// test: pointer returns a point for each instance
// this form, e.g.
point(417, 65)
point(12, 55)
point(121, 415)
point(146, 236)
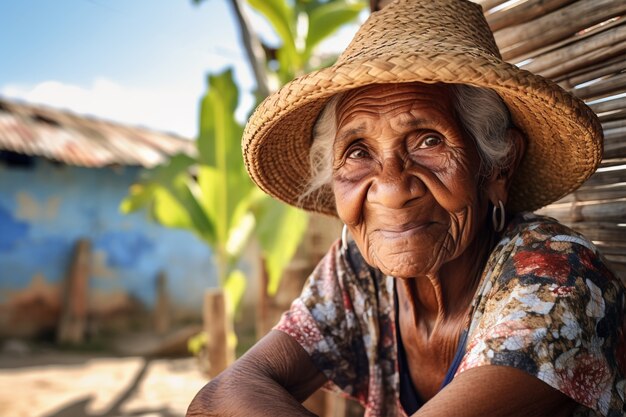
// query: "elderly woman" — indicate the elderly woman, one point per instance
point(449, 298)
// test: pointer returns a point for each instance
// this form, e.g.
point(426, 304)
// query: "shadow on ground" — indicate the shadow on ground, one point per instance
point(80, 407)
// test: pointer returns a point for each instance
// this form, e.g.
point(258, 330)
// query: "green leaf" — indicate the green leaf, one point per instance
point(219, 149)
point(139, 197)
point(289, 64)
point(169, 212)
point(280, 16)
point(211, 192)
point(239, 235)
point(234, 288)
point(280, 230)
point(327, 18)
point(184, 190)
point(177, 164)
point(169, 193)
point(220, 134)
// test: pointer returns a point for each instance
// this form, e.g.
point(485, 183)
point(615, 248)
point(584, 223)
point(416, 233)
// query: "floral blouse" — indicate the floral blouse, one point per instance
point(547, 304)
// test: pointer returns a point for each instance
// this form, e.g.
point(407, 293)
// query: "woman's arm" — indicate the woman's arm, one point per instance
point(497, 391)
point(271, 379)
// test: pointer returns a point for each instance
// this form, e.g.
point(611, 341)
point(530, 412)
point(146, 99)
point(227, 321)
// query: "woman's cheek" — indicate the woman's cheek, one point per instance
point(456, 186)
point(350, 193)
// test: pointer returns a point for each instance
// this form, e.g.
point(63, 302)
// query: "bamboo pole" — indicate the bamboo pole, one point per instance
point(523, 12)
point(614, 249)
point(616, 162)
point(577, 37)
point(555, 26)
point(615, 134)
point(586, 212)
point(614, 258)
point(609, 105)
point(489, 4)
point(599, 55)
point(602, 231)
point(607, 177)
point(601, 192)
point(580, 54)
point(607, 86)
point(614, 148)
point(601, 69)
point(614, 124)
point(615, 115)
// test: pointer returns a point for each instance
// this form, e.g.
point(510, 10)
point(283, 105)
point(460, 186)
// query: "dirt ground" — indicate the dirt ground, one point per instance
point(62, 384)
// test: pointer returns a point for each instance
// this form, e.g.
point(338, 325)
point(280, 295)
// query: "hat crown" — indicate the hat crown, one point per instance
point(408, 27)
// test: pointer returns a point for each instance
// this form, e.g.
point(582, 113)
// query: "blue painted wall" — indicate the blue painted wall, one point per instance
point(46, 208)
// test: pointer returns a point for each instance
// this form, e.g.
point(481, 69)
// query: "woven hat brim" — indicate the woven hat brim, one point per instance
point(564, 137)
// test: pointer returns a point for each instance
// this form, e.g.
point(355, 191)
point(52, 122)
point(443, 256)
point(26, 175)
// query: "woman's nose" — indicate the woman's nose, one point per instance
point(395, 185)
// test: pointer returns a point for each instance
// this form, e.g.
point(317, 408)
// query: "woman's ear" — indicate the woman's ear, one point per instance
point(499, 181)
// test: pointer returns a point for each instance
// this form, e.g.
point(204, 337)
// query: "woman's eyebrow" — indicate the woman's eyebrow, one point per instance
point(411, 123)
point(350, 133)
point(414, 122)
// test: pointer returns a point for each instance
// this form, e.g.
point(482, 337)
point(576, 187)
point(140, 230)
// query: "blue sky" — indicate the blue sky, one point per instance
point(135, 61)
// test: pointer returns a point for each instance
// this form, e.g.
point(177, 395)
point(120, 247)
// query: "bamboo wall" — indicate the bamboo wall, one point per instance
point(582, 46)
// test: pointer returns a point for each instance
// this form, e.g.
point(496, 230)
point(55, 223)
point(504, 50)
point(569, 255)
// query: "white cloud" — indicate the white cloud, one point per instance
point(165, 110)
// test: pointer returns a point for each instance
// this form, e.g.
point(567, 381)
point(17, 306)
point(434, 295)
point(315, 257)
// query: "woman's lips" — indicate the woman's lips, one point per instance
point(406, 230)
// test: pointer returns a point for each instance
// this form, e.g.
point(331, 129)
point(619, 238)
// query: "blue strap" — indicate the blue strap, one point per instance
point(458, 357)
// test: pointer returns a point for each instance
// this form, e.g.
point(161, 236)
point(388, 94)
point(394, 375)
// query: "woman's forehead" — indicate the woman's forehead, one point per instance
point(389, 99)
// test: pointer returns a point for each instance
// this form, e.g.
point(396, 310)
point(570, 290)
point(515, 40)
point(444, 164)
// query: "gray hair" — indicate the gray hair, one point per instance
point(481, 113)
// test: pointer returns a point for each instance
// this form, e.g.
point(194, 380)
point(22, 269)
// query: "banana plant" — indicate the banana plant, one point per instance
point(212, 196)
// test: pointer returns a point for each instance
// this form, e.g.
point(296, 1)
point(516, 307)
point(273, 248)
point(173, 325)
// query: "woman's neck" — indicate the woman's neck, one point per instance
point(435, 299)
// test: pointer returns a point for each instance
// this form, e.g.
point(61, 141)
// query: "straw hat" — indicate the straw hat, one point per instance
point(427, 41)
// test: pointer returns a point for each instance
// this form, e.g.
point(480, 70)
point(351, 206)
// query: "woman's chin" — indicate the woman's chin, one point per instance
point(406, 266)
point(408, 259)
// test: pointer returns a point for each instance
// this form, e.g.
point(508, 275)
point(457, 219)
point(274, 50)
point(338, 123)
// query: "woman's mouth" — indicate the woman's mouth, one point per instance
point(406, 230)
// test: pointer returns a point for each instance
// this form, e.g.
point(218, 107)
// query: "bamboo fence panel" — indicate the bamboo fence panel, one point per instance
point(582, 46)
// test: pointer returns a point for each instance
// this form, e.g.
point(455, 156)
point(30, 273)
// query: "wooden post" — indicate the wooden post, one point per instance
point(73, 321)
point(218, 327)
point(262, 324)
point(162, 305)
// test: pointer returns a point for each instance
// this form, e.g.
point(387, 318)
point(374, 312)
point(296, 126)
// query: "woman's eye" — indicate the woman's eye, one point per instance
point(431, 141)
point(358, 154)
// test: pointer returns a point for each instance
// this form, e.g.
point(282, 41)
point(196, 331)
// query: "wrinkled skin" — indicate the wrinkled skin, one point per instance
point(407, 183)
point(406, 178)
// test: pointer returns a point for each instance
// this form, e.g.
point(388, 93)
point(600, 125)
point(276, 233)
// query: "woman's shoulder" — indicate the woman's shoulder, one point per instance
point(531, 229)
point(550, 305)
point(540, 248)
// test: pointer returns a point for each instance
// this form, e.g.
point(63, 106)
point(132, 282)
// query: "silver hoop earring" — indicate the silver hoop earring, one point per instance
point(344, 238)
point(498, 224)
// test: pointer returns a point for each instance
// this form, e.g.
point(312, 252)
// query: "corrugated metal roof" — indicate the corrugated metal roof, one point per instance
point(82, 140)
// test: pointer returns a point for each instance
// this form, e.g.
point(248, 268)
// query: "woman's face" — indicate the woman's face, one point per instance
point(406, 178)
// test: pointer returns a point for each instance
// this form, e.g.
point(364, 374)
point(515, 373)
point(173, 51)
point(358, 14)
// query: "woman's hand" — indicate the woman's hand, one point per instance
point(271, 379)
point(497, 391)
